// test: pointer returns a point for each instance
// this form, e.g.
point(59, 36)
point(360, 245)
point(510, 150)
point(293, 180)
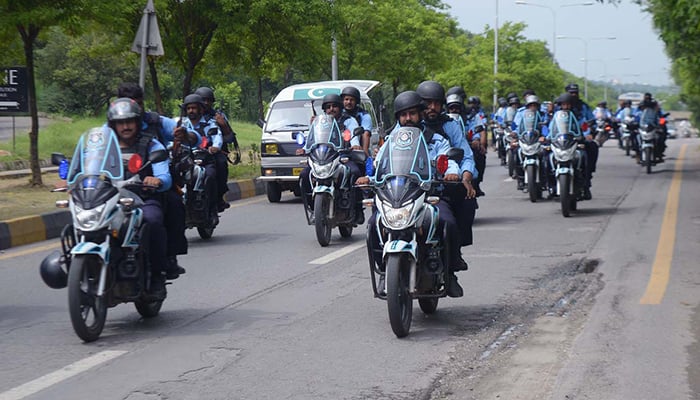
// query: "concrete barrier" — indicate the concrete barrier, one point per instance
point(26, 230)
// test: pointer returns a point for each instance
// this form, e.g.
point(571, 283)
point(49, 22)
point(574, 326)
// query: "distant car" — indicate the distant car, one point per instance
point(671, 129)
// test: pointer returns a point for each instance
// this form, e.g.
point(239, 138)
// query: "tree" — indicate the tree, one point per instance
point(30, 18)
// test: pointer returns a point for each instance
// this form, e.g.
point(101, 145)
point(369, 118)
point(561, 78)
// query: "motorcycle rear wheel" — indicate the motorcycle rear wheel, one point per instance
point(565, 194)
point(532, 187)
point(627, 147)
point(87, 311)
point(398, 299)
point(511, 163)
point(322, 203)
point(648, 158)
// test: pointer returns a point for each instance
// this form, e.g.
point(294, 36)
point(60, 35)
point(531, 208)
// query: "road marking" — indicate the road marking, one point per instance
point(337, 254)
point(62, 374)
point(241, 203)
point(32, 250)
point(661, 270)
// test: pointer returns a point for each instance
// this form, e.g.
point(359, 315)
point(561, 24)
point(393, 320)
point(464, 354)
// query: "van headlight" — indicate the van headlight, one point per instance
point(88, 219)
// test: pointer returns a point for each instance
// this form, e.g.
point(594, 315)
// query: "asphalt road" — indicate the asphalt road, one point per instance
point(601, 305)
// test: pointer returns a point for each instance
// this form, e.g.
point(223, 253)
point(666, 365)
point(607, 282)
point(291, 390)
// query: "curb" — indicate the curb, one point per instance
point(37, 228)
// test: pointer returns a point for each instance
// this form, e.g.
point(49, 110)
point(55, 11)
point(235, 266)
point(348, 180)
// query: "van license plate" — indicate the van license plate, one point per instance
point(296, 171)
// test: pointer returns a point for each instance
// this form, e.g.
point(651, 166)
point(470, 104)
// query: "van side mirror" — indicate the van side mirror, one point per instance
point(260, 122)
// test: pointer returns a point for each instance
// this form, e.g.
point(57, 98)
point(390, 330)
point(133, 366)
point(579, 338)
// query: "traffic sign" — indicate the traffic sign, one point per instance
point(14, 92)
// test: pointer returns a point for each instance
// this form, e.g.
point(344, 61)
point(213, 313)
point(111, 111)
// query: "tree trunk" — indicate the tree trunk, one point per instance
point(260, 99)
point(29, 35)
point(156, 87)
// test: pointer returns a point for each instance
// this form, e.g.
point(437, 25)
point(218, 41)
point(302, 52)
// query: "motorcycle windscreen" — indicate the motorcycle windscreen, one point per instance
point(562, 123)
point(530, 120)
point(648, 117)
point(96, 155)
point(324, 130)
point(510, 114)
point(405, 154)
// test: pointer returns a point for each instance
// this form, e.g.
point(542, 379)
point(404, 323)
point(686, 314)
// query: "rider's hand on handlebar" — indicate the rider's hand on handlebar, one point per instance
point(214, 150)
point(151, 182)
point(299, 152)
point(363, 180)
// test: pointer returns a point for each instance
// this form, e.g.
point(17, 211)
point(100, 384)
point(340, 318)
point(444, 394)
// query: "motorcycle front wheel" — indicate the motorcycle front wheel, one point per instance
point(532, 187)
point(511, 164)
point(565, 194)
point(87, 311)
point(627, 147)
point(648, 158)
point(398, 299)
point(322, 203)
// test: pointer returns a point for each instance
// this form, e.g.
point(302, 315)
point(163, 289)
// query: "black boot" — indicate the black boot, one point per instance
point(173, 270)
point(453, 287)
point(158, 287)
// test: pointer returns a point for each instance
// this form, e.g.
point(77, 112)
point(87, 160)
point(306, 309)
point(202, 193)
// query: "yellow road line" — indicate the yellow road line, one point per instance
point(661, 270)
point(20, 253)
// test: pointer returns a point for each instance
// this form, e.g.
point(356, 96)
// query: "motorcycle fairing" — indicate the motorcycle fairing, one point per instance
point(97, 154)
point(401, 246)
point(405, 154)
point(530, 120)
point(99, 249)
point(324, 130)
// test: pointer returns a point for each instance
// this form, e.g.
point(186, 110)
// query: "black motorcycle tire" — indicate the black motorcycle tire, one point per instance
point(322, 203)
point(206, 230)
point(649, 157)
point(565, 194)
point(532, 187)
point(84, 304)
point(398, 300)
point(627, 147)
point(145, 307)
point(428, 305)
point(511, 164)
point(345, 231)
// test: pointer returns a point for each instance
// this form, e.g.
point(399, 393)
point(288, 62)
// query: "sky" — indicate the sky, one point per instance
point(635, 55)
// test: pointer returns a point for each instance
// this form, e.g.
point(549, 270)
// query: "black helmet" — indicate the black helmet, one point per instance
point(528, 92)
point(52, 272)
point(206, 93)
point(513, 100)
point(407, 100)
point(458, 90)
point(351, 91)
point(474, 100)
point(431, 90)
point(332, 98)
point(603, 104)
point(571, 87)
point(511, 94)
point(565, 98)
point(122, 109)
point(502, 101)
point(193, 98)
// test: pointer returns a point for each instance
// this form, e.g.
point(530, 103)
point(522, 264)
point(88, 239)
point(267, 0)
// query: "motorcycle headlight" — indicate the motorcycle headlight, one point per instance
point(566, 154)
point(322, 171)
point(398, 218)
point(530, 149)
point(88, 219)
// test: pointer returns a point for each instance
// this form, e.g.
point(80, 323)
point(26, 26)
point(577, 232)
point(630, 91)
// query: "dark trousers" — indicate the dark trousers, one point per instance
point(153, 215)
point(210, 186)
point(480, 162)
point(221, 165)
point(175, 223)
point(591, 159)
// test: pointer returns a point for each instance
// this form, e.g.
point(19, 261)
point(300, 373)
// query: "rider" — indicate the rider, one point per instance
point(473, 126)
point(532, 103)
point(624, 110)
point(565, 102)
point(193, 105)
point(332, 105)
point(124, 117)
point(166, 131)
point(649, 101)
point(435, 119)
point(407, 111)
point(352, 109)
point(585, 116)
point(221, 159)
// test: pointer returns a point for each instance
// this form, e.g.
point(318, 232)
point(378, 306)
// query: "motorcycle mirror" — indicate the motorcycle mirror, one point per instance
point(205, 141)
point(135, 163)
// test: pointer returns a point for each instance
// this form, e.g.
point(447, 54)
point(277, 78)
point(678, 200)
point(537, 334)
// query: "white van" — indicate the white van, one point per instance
point(289, 114)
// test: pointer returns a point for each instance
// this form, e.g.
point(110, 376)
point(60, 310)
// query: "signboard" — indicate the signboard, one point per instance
point(14, 92)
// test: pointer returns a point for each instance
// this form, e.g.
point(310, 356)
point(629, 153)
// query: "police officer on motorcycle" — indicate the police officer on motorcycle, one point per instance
point(408, 107)
point(583, 114)
point(352, 109)
point(124, 117)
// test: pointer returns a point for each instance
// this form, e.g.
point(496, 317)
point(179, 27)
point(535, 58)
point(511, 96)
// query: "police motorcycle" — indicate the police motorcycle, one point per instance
point(603, 130)
point(105, 256)
point(414, 249)
point(647, 137)
point(188, 169)
point(333, 193)
point(627, 126)
point(567, 160)
point(511, 143)
point(498, 132)
point(530, 155)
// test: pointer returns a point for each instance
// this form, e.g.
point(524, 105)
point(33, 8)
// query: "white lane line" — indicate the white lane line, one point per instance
point(335, 255)
point(62, 374)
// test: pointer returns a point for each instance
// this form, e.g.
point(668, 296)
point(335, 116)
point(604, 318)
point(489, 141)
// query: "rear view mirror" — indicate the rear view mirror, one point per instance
point(56, 158)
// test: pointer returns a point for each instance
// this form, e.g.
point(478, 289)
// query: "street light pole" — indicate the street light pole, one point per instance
point(605, 72)
point(495, 61)
point(554, 20)
point(585, 55)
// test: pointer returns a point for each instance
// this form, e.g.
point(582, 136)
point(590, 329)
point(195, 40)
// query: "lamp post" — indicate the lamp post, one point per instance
point(585, 56)
point(605, 71)
point(554, 20)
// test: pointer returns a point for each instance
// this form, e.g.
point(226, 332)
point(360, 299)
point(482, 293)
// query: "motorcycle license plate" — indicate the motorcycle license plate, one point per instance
point(296, 171)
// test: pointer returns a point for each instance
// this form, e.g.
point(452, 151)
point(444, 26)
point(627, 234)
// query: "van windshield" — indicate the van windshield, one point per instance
point(291, 115)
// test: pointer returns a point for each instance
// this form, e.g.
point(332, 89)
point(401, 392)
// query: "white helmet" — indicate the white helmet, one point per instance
point(530, 99)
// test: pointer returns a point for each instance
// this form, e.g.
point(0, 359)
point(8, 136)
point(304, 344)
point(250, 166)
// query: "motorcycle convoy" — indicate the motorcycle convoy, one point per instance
point(104, 256)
